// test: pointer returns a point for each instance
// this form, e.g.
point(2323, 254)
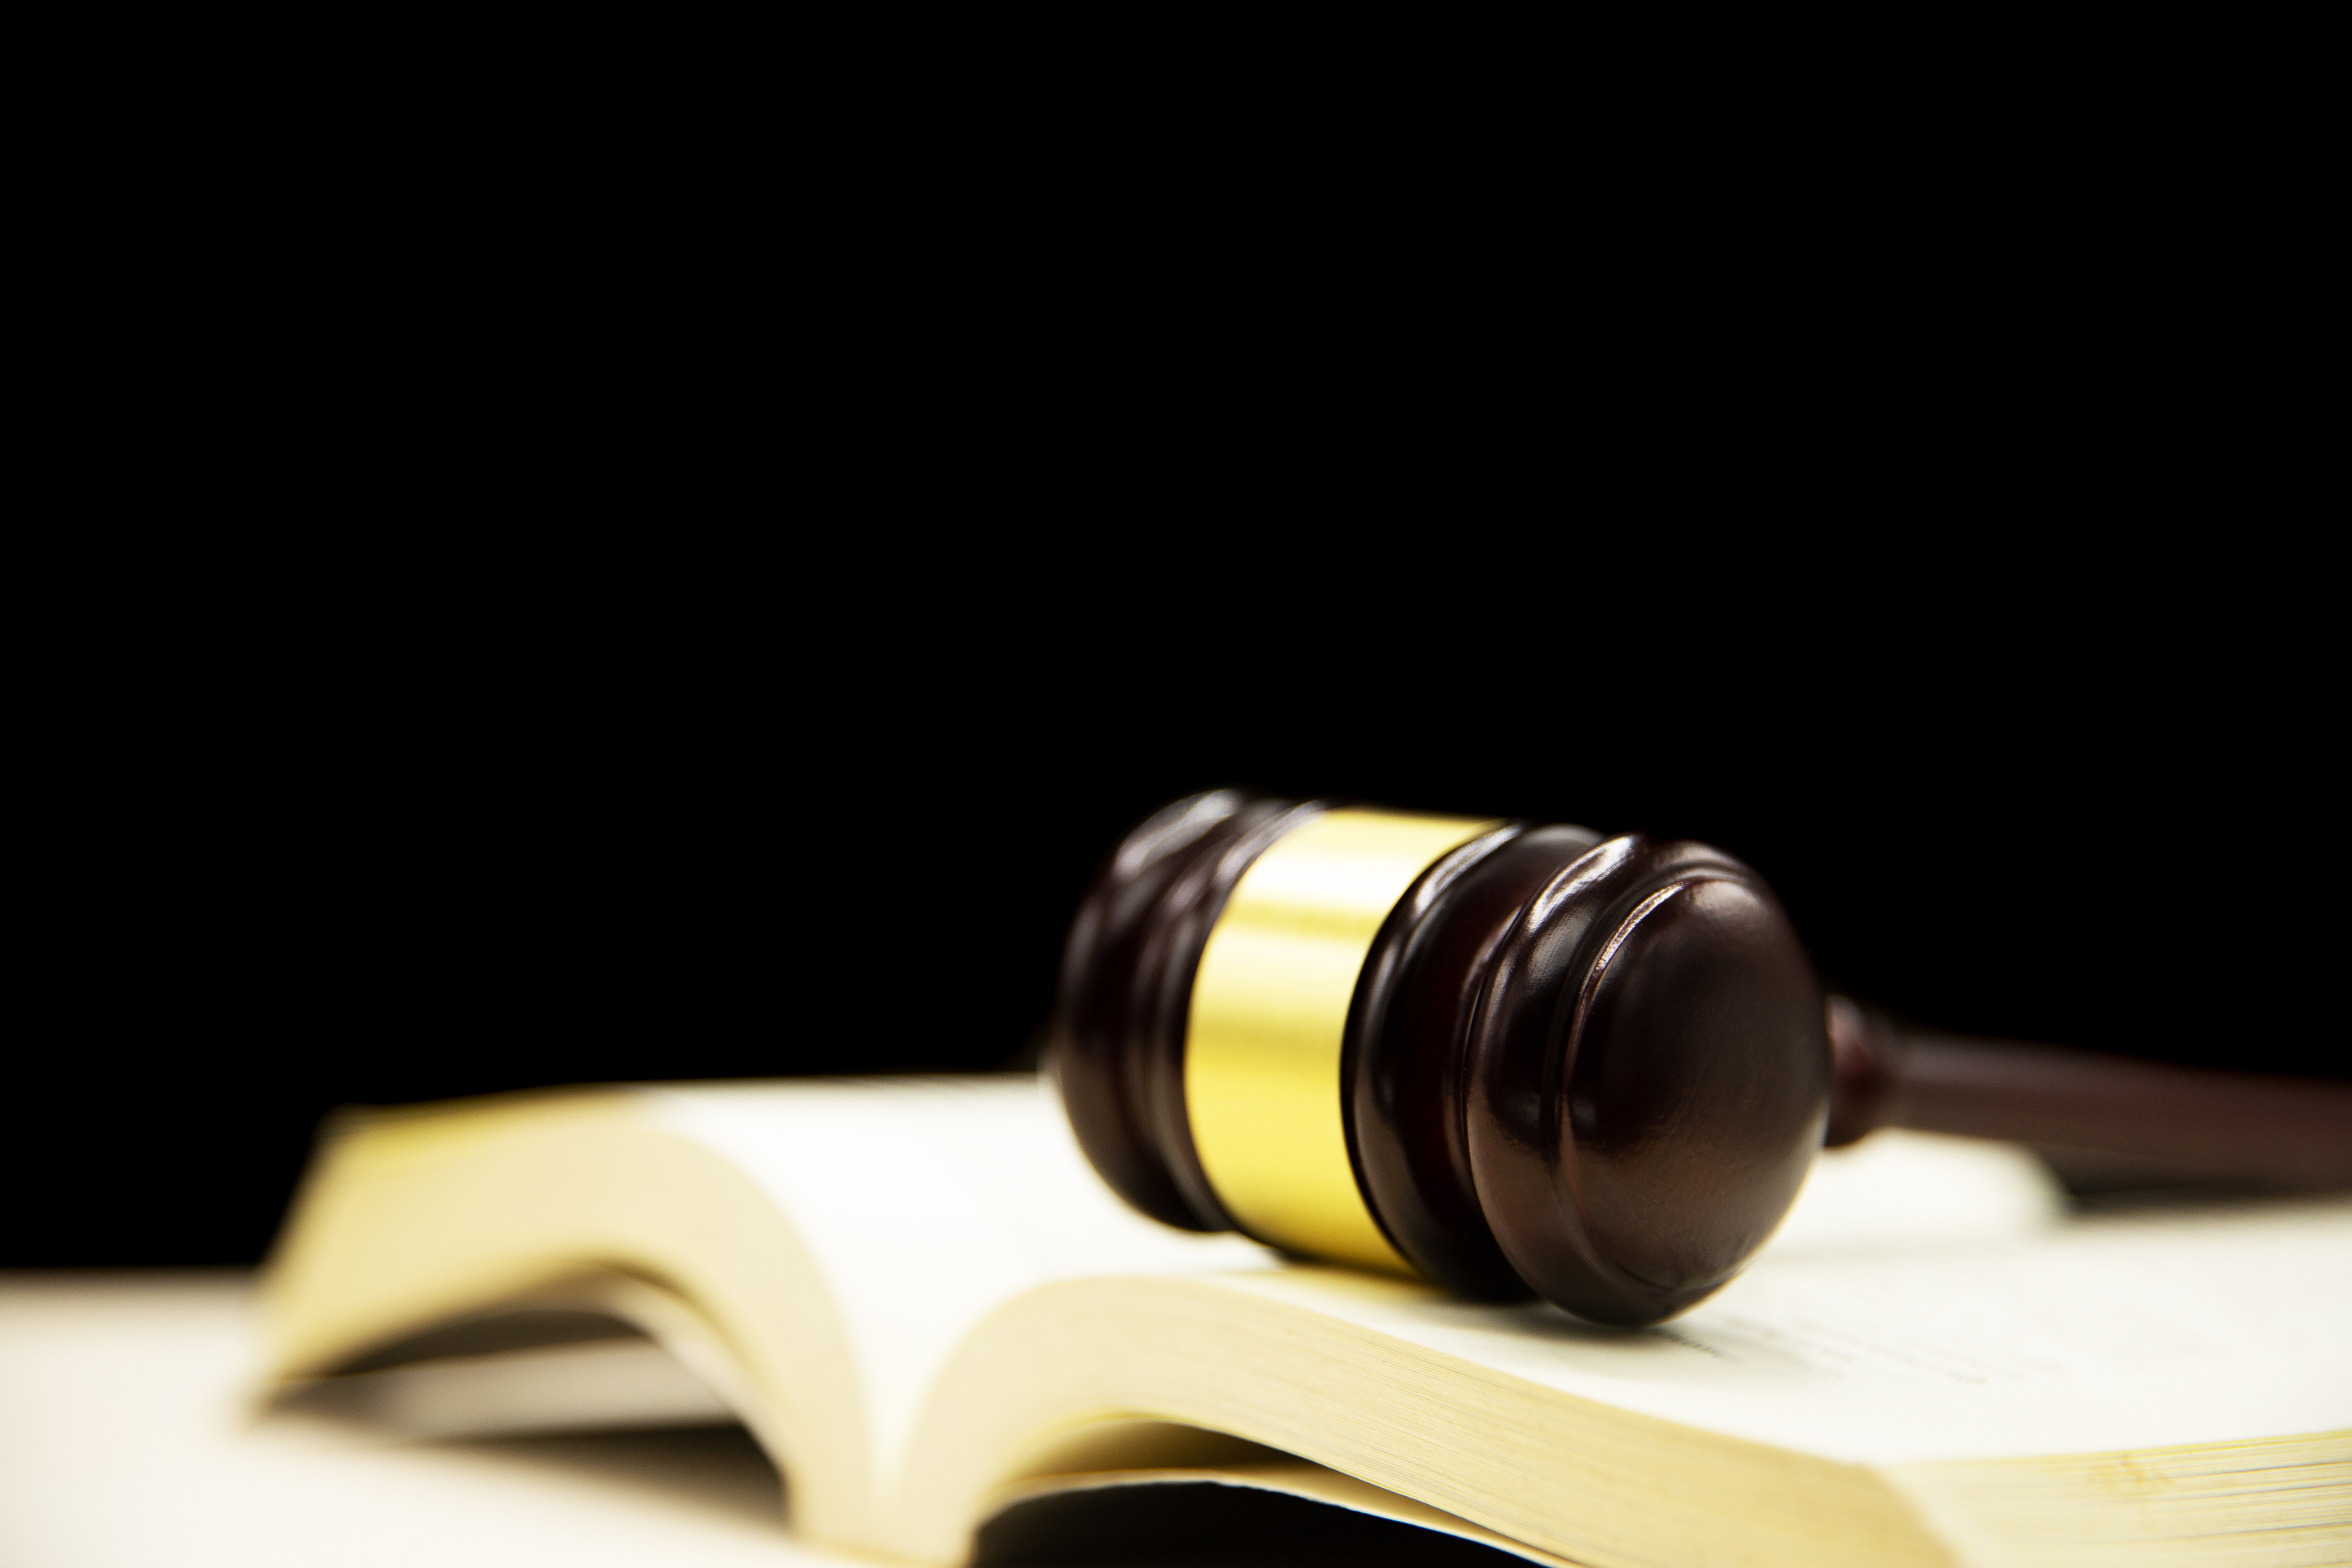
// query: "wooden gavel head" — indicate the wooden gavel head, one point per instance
point(1507, 1058)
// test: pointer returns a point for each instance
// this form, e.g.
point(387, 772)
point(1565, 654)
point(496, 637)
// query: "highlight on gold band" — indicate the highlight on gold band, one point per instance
point(1269, 1008)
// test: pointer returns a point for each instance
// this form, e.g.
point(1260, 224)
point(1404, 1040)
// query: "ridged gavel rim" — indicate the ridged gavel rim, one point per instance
point(1124, 1054)
point(1524, 1043)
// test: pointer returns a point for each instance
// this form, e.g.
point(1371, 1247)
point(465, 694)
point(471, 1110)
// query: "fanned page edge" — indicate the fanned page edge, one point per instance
point(393, 1234)
point(1566, 1476)
point(1285, 1475)
point(2256, 1503)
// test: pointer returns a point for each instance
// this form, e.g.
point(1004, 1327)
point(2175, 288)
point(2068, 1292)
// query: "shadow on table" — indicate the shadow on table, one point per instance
point(720, 1469)
point(713, 1469)
point(1180, 1523)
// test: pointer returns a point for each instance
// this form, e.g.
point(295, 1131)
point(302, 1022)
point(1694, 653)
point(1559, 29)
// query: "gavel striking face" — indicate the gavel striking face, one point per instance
point(1517, 1059)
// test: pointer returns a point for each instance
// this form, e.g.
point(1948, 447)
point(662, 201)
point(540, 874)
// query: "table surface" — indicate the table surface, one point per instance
point(127, 1437)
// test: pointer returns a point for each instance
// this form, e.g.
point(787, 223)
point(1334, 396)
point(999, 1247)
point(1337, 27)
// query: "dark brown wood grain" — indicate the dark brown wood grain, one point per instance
point(1406, 1061)
point(2187, 1123)
point(1649, 1074)
point(1593, 1068)
point(1116, 1044)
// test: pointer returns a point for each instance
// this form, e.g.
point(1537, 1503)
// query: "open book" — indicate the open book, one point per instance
point(926, 1309)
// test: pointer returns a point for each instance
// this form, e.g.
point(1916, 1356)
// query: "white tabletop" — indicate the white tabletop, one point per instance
point(127, 1437)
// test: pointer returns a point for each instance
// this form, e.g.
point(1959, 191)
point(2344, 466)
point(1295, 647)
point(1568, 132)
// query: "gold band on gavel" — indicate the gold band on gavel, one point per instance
point(1269, 1008)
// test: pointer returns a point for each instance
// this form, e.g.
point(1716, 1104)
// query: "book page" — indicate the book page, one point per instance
point(1911, 1263)
point(927, 1203)
point(2094, 1334)
point(946, 1292)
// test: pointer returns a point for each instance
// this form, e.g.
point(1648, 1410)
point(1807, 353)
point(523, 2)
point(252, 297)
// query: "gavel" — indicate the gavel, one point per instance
point(1517, 1059)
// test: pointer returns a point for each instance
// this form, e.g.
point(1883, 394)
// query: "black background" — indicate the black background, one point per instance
point(622, 594)
point(364, 833)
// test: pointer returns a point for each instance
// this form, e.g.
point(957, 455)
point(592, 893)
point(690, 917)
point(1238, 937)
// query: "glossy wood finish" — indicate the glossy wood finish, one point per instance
point(1649, 1076)
point(1406, 1056)
point(1116, 1044)
point(2186, 1123)
point(1594, 1069)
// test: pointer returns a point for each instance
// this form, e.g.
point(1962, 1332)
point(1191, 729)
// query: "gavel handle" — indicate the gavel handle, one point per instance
point(2264, 1127)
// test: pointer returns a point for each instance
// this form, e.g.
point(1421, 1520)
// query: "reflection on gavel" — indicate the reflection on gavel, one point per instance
point(1512, 1057)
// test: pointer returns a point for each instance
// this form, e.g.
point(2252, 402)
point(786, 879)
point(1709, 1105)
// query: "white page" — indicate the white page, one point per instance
point(2095, 1335)
point(928, 1203)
